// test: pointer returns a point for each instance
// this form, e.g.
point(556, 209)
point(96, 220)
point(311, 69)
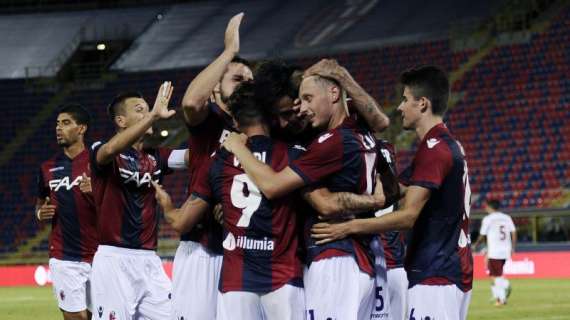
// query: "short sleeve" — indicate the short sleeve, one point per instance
point(323, 157)
point(164, 154)
point(96, 168)
point(484, 227)
point(203, 186)
point(511, 226)
point(431, 166)
point(42, 188)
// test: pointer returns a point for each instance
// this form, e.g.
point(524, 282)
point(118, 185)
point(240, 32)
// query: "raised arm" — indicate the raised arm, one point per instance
point(416, 198)
point(271, 183)
point(126, 138)
point(330, 204)
point(366, 106)
point(200, 89)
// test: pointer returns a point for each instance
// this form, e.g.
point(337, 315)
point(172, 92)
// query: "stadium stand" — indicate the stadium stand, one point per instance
point(510, 112)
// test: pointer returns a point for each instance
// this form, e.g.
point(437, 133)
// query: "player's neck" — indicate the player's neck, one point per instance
point(222, 105)
point(73, 150)
point(337, 118)
point(426, 125)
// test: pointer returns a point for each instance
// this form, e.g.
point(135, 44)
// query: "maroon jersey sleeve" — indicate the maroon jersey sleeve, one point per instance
point(164, 154)
point(431, 166)
point(43, 190)
point(323, 157)
point(96, 168)
point(202, 188)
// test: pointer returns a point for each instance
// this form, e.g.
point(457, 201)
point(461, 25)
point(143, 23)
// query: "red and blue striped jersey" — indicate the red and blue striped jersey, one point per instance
point(393, 241)
point(125, 198)
point(439, 250)
point(204, 140)
point(74, 226)
point(343, 160)
point(260, 236)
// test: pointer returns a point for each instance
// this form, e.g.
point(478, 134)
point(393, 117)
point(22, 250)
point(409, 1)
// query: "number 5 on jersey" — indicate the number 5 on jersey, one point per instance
point(246, 196)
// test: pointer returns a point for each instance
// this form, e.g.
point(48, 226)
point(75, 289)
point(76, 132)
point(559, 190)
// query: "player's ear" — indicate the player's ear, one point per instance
point(82, 129)
point(334, 93)
point(120, 121)
point(424, 104)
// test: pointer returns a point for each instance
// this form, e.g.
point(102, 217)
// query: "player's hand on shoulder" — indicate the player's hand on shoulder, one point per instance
point(231, 39)
point(85, 184)
point(46, 210)
point(234, 141)
point(160, 109)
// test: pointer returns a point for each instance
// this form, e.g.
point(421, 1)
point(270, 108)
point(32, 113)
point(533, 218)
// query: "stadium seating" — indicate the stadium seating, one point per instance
point(511, 118)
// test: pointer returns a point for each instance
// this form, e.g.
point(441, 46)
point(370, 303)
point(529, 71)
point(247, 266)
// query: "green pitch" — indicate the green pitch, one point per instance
point(530, 299)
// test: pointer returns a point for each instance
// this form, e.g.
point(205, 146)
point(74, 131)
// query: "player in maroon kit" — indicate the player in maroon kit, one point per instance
point(198, 258)
point(128, 279)
point(64, 196)
point(261, 276)
point(342, 158)
point(436, 206)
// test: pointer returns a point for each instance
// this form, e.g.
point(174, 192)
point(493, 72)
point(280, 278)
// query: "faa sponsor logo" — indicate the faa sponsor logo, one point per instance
point(244, 242)
point(65, 182)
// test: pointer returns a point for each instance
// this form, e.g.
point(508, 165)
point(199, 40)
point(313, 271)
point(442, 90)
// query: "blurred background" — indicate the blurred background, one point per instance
point(508, 62)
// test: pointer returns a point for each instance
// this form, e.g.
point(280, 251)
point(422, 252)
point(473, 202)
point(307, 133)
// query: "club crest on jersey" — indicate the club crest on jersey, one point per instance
point(136, 177)
point(56, 184)
point(225, 134)
point(244, 242)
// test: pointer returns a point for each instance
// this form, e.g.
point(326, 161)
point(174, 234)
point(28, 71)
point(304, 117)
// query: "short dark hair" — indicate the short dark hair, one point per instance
point(117, 103)
point(430, 82)
point(494, 204)
point(238, 59)
point(77, 112)
point(245, 107)
point(275, 79)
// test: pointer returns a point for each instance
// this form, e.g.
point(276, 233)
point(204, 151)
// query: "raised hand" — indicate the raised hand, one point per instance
point(231, 39)
point(46, 211)
point(85, 184)
point(160, 108)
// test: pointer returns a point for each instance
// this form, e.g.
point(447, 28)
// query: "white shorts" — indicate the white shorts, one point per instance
point(381, 308)
point(71, 285)
point(438, 302)
point(336, 288)
point(129, 283)
point(398, 291)
point(285, 303)
point(195, 278)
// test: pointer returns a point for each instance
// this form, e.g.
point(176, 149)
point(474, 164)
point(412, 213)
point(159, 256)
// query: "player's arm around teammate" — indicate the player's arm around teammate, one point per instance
point(403, 219)
point(194, 102)
point(132, 134)
point(331, 204)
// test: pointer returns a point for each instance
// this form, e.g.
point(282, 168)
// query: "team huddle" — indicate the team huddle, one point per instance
point(294, 209)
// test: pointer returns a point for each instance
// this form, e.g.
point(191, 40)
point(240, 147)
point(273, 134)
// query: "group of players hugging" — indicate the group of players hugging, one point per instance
point(294, 209)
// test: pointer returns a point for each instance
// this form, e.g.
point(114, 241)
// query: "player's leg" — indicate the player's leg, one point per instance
point(239, 305)
point(465, 299)
point(336, 288)
point(113, 291)
point(155, 303)
point(398, 291)
point(436, 302)
point(285, 303)
point(196, 274)
point(70, 280)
